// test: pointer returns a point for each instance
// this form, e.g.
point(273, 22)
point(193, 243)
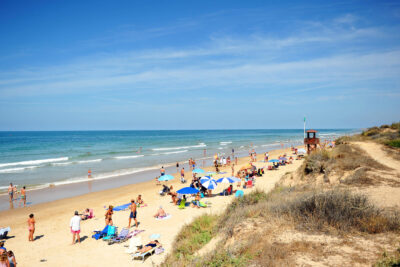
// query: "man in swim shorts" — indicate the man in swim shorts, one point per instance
point(133, 213)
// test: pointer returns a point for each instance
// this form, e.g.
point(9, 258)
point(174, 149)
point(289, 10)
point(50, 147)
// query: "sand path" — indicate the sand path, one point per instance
point(376, 152)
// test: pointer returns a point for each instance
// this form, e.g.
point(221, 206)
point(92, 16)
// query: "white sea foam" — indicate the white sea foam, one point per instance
point(174, 152)
point(179, 147)
point(105, 175)
point(62, 163)
point(33, 162)
point(128, 157)
point(89, 161)
point(21, 169)
point(225, 143)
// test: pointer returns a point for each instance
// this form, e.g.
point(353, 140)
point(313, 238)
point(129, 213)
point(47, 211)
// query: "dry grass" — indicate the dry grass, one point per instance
point(342, 158)
point(360, 177)
point(341, 210)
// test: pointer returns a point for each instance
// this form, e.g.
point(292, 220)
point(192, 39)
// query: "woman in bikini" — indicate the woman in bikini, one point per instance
point(149, 246)
point(31, 226)
point(108, 215)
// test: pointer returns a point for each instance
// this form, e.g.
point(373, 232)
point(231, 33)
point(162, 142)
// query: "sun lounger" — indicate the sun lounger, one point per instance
point(122, 237)
point(111, 233)
point(143, 255)
point(182, 204)
point(100, 234)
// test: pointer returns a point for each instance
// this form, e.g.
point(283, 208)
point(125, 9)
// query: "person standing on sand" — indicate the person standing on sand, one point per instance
point(133, 213)
point(31, 226)
point(233, 169)
point(11, 192)
point(162, 171)
point(75, 225)
point(108, 215)
point(23, 196)
point(182, 175)
point(177, 167)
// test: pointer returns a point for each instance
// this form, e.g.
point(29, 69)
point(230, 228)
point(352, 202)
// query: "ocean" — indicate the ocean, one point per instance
point(39, 159)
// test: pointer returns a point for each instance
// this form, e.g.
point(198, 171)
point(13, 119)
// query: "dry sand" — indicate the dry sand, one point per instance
point(52, 247)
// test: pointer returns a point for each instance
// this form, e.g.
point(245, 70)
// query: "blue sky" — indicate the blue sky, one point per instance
point(85, 65)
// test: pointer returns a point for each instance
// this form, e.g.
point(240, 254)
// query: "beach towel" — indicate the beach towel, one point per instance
point(164, 218)
point(154, 236)
point(121, 207)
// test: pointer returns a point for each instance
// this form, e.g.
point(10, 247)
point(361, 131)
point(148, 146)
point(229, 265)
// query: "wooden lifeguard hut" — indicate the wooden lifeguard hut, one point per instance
point(311, 141)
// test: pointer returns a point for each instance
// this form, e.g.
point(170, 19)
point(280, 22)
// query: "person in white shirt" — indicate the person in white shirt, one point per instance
point(75, 225)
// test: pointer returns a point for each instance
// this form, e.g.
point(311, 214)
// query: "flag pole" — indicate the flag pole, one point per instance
point(304, 126)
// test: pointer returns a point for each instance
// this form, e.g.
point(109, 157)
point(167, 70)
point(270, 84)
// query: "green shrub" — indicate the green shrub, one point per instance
point(393, 143)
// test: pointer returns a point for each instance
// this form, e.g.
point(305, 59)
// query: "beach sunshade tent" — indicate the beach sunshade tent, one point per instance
point(301, 151)
point(210, 184)
point(166, 178)
point(284, 159)
point(273, 160)
point(227, 180)
point(198, 171)
point(187, 190)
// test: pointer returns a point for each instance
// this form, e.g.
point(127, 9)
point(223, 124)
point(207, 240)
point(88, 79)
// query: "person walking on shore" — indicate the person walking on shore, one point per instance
point(177, 167)
point(23, 196)
point(31, 226)
point(11, 192)
point(75, 225)
point(133, 213)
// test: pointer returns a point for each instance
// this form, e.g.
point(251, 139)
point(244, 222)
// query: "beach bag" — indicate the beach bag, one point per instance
point(159, 250)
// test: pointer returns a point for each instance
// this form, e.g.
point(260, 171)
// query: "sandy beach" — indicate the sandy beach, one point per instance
point(52, 245)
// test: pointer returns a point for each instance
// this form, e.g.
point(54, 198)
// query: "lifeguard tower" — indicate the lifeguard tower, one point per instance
point(311, 141)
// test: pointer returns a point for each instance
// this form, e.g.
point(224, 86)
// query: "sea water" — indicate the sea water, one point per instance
point(38, 159)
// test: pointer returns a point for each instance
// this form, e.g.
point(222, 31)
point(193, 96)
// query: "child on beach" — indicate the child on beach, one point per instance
point(31, 227)
point(11, 259)
point(23, 196)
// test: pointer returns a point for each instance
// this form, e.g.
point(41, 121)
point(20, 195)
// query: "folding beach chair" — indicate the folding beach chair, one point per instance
point(122, 237)
point(100, 234)
point(111, 233)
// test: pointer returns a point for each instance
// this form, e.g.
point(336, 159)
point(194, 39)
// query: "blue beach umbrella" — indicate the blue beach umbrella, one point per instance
point(273, 160)
point(166, 178)
point(227, 180)
point(205, 178)
point(187, 190)
point(198, 171)
point(209, 184)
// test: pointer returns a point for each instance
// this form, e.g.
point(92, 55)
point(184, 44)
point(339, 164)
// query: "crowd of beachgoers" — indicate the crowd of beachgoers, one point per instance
point(195, 193)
